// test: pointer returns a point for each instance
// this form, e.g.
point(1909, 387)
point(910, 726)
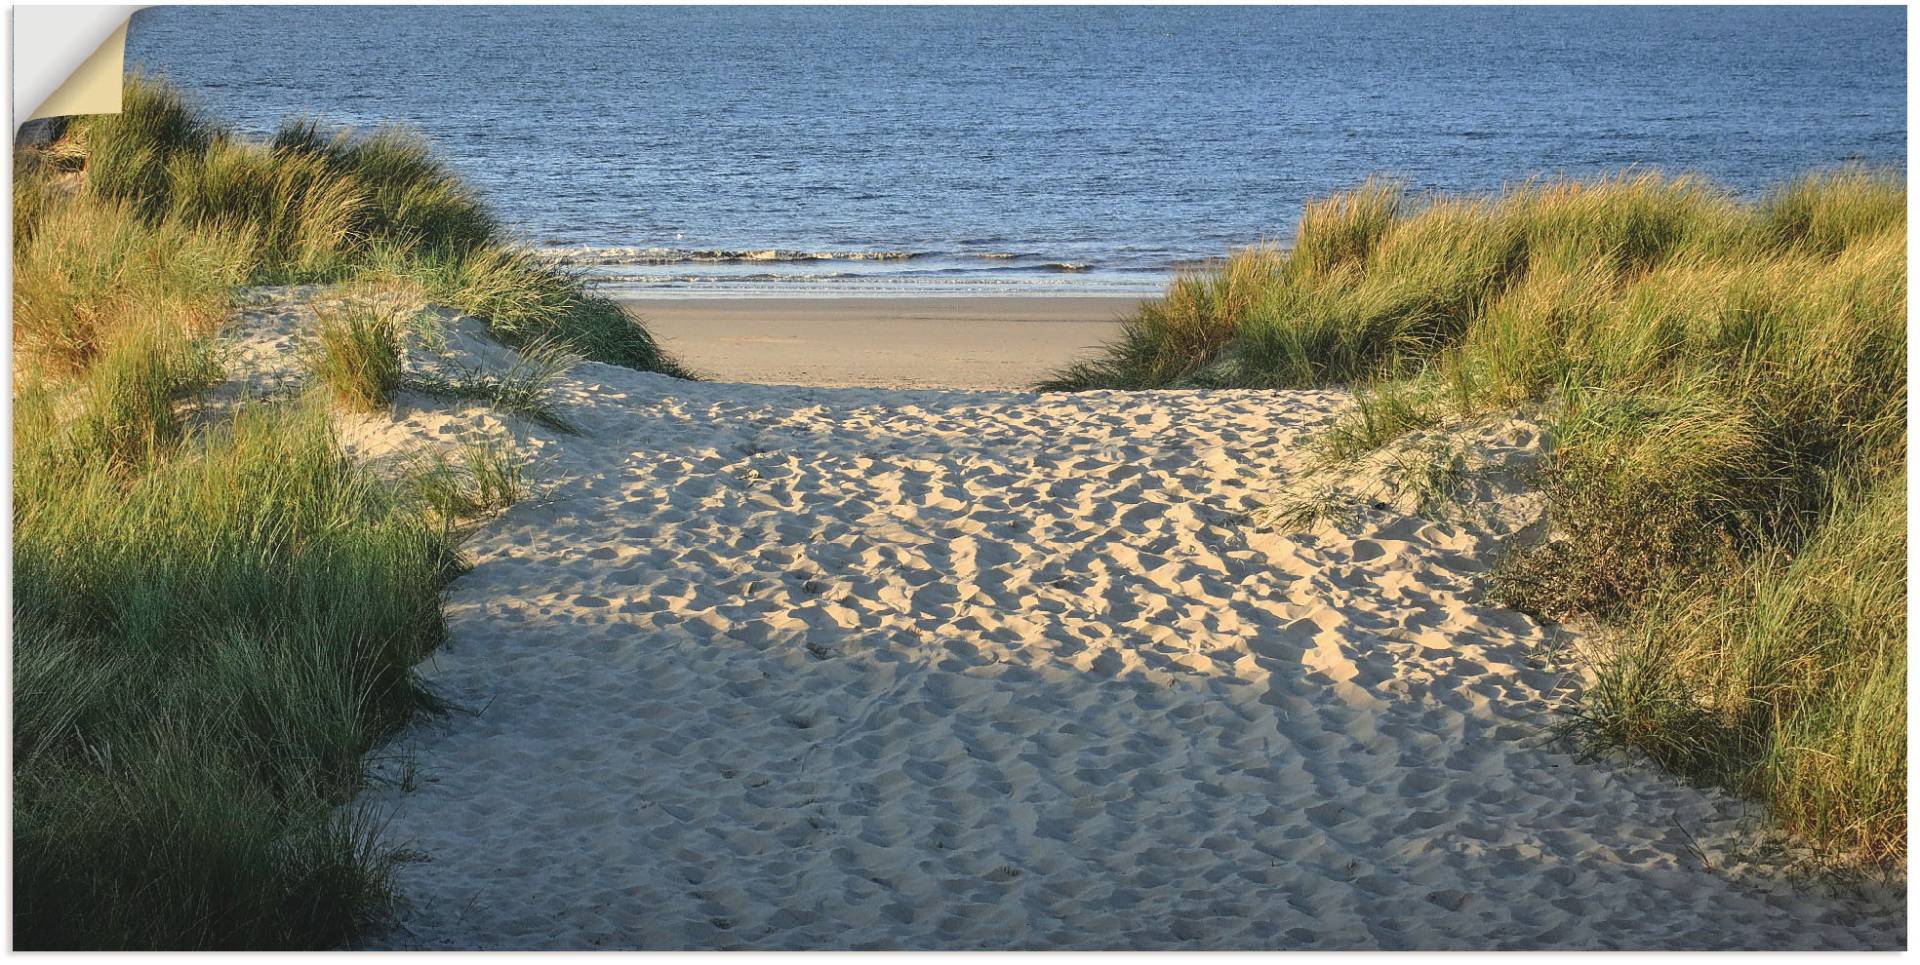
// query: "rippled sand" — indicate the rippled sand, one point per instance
point(781, 667)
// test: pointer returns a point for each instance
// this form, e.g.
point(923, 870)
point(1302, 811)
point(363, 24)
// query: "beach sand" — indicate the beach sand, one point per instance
point(784, 667)
point(976, 342)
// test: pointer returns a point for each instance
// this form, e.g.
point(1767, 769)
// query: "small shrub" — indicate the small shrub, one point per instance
point(1784, 681)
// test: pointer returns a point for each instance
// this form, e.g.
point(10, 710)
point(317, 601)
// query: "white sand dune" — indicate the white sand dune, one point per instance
point(782, 667)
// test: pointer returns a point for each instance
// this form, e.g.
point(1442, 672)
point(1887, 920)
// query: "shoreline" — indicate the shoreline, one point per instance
point(992, 342)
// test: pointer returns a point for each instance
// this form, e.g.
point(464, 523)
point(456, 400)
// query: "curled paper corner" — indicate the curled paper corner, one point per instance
point(68, 60)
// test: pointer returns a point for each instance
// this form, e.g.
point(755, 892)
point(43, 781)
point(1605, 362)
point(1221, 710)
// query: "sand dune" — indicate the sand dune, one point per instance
point(783, 667)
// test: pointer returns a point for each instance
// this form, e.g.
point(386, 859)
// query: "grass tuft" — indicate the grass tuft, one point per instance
point(526, 299)
point(91, 272)
point(216, 613)
point(483, 479)
point(357, 359)
point(525, 389)
point(313, 204)
point(1722, 380)
point(204, 651)
point(410, 199)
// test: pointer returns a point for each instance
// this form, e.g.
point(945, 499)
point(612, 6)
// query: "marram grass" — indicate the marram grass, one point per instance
point(216, 615)
point(1785, 680)
point(317, 205)
point(89, 271)
point(357, 358)
point(205, 645)
point(1725, 385)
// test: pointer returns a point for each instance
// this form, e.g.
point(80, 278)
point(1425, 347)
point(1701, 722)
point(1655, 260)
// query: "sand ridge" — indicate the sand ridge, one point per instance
point(786, 667)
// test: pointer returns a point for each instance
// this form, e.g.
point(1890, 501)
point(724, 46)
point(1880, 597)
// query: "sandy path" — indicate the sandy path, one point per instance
point(922, 342)
point(781, 667)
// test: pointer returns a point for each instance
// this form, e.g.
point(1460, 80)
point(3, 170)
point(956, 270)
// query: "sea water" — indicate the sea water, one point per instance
point(1035, 149)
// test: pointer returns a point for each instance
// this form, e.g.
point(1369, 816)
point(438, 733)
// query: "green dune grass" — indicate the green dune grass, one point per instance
point(216, 616)
point(358, 356)
point(1725, 385)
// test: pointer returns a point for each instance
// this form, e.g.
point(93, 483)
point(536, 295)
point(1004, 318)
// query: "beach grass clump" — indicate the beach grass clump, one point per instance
point(299, 218)
point(1345, 228)
point(204, 650)
point(481, 478)
point(254, 500)
point(1724, 382)
point(153, 837)
point(311, 204)
point(130, 401)
point(410, 198)
point(89, 272)
point(527, 299)
point(1782, 680)
point(525, 389)
point(128, 155)
point(497, 474)
point(216, 611)
point(1382, 412)
point(357, 358)
point(42, 177)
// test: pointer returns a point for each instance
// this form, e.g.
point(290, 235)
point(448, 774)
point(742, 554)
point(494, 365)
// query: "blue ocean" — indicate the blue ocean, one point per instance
point(1032, 149)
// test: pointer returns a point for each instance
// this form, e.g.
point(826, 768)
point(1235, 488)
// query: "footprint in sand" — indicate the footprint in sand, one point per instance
point(1080, 706)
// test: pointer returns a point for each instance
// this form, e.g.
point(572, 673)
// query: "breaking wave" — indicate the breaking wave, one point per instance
point(633, 255)
point(641, 267)
point(588, 255)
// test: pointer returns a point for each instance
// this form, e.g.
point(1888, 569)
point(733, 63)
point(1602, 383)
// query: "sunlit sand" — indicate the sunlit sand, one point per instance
point(798, 667)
